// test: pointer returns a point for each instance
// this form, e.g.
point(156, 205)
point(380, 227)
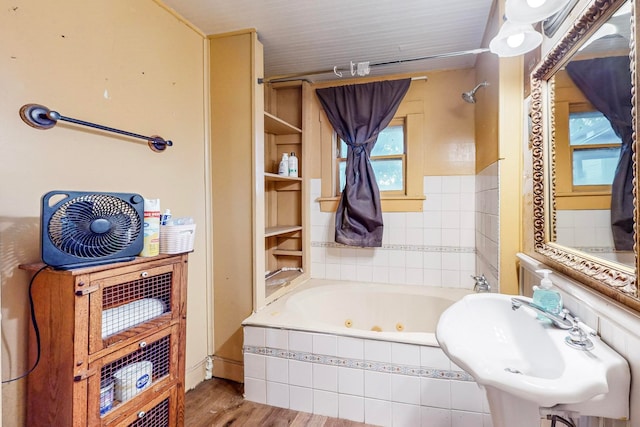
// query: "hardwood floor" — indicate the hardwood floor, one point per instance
point(219, 403)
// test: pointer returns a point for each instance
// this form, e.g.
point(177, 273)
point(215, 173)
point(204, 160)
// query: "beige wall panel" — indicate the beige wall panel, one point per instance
point(288, 103)
point(486, 111)
point(510, 156)
point(448, 134)
point(449, 141)
point(315, 133)
point(127, 64)
point(232, 177)
point(289, 207)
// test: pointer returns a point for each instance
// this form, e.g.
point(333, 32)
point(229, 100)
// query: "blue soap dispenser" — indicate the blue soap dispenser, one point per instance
point(544, 296)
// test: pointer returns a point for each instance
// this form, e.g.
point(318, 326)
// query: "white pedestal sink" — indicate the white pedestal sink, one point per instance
point(525, 365)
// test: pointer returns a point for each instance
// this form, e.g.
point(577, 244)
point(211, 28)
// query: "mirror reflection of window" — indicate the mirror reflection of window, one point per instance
point(595, 149)
point(387, 159)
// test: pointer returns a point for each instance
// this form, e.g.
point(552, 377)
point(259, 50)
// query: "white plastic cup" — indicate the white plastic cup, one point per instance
point(106, 397)
point(132, 379)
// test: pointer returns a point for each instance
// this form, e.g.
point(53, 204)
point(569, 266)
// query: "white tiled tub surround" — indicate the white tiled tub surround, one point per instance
point(435, 247)
point(589, 231)
point(487, 224)
point(584, 228)
point(365, 380)
point(616, 325)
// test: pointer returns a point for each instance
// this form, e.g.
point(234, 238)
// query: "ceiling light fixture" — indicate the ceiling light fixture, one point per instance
point(515, 39)
point(624, 9)
point(535, 3)
point(606, 30)
point(517, 36)
point(530, 11)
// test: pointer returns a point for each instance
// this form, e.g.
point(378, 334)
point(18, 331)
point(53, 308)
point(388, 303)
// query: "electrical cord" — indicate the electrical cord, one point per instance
point(555, 418)
point(36, 330)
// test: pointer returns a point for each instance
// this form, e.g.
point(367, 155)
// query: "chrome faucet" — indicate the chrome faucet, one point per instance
point(577, 338)
point(482, 284)
point(563, 320)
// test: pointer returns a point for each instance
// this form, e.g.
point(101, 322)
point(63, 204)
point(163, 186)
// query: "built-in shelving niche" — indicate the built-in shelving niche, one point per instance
point(285, 253)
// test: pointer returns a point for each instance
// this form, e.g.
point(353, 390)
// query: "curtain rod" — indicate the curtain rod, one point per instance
point(377, 64)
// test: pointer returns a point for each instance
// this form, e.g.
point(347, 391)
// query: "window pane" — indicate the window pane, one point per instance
point(589, 128)
point(343, 148)
point(342, 165)
point(388, 174)
point(595, 166)
point(390, 141)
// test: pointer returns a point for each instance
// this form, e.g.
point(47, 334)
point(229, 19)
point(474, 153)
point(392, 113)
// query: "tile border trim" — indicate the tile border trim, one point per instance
point(413, 248)
point(392, 368)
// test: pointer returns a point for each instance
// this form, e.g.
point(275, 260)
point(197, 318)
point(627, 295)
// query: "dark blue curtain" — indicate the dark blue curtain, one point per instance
point(358, 113)
point(606, 83)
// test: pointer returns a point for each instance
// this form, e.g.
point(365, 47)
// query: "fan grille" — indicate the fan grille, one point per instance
point(94, 226)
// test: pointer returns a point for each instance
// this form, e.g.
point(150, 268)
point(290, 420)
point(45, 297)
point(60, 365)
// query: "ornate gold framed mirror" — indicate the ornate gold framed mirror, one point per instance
point(583, 119)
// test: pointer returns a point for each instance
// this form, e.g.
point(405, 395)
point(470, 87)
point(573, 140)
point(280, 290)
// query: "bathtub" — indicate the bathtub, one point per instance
point(365, 352)
point(398, 313)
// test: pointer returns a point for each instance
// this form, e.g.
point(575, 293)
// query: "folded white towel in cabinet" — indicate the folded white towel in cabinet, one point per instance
point(125, 316)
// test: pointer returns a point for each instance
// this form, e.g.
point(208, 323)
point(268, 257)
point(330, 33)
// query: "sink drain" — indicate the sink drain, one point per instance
point(513, 371)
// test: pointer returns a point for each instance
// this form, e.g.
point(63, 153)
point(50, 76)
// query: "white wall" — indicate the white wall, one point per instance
point(584, 228)
point(590, 231)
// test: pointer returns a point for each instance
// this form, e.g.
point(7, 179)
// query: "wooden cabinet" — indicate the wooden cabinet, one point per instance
point(259, 218)
point(236, 127)
point(112, 343)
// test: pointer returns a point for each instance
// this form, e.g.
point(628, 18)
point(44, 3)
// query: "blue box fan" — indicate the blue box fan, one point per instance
point(81, 229)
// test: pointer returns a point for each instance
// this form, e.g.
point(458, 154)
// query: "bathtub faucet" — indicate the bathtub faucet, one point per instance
point(482, 284)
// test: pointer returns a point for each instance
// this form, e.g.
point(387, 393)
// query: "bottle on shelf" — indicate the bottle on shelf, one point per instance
point(293, 165)
point(283, 170)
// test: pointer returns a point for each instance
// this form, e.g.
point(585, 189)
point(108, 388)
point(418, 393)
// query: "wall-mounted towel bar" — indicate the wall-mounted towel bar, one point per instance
point(40, 117)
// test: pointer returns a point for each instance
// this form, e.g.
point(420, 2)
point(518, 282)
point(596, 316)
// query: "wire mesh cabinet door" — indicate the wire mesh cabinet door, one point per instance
point(127, 378)
point(129, 303)
point(114, 337)
point(158, 412)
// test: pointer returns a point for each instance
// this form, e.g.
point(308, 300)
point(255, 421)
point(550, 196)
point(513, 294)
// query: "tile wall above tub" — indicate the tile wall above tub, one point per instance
point(488, 225)
point(435, 247)
point(382, 383)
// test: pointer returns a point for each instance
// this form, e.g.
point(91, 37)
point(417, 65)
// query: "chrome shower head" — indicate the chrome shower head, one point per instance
point(470, 96)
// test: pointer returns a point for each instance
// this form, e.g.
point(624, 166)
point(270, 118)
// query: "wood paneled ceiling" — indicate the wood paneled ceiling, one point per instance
point(301, 36)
